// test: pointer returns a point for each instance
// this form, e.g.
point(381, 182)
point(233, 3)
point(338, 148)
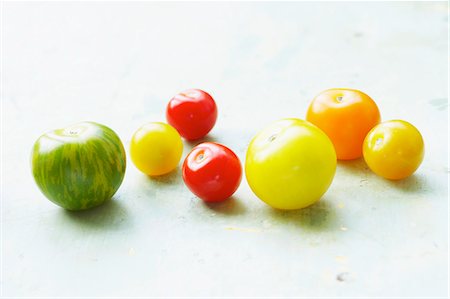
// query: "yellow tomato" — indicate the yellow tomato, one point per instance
point(156, 148)
point(394, 149)
point(290, 164)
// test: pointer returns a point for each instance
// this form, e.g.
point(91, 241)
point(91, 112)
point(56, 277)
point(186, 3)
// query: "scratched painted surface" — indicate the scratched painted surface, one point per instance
point(119, 64)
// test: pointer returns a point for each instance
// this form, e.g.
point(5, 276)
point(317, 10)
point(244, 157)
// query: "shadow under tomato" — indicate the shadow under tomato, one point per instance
point(317, 217)
point(356, 166)
point(172, 177)
point(110, 215)
point(232, 206)
point(413, 184)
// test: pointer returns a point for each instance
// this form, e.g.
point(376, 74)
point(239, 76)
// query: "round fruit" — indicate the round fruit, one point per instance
point(394, 149)
point(80, 166)
point(156, 148)
point(346, 116)
point(193, 113)
point(212, 171)
point(290, 164)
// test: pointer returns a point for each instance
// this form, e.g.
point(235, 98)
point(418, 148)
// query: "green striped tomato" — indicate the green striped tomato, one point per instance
point(80, 166)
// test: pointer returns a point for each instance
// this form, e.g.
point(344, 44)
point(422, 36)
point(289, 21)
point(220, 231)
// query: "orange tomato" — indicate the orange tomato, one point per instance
point(346, 116)
point(394, 149)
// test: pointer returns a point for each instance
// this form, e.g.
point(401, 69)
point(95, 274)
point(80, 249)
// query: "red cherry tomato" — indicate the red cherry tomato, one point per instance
point(192, 112)
point(212, 171)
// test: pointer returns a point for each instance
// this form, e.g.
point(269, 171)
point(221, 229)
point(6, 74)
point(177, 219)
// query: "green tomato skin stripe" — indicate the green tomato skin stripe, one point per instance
point(79, 167)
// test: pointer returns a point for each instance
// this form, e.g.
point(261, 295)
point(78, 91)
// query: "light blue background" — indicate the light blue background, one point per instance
point(119, 63)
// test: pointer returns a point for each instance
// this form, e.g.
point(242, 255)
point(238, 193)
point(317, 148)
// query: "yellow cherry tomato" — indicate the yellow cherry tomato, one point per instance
point(290, 164)
point(394, 149)
point(156, 148)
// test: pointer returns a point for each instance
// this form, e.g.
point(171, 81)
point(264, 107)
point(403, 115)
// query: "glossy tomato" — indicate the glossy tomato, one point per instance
point(346, 116)
point(290, 164)
point(212, 171)
point(80, 166)
point(394, 149)
point(192, 112)
point(156, 148)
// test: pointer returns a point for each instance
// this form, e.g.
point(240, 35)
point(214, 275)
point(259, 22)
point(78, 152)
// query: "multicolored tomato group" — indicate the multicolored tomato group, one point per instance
point(289, 165)
point(393, 149)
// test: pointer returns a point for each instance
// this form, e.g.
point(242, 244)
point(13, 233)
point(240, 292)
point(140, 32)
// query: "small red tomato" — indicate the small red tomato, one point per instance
point(192, 112)
point(212, 171)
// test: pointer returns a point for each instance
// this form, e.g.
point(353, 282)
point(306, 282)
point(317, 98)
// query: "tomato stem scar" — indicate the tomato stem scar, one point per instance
point(200, 157)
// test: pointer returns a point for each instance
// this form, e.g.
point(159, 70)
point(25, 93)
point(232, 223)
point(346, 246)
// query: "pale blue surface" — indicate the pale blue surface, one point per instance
point(119, 64)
